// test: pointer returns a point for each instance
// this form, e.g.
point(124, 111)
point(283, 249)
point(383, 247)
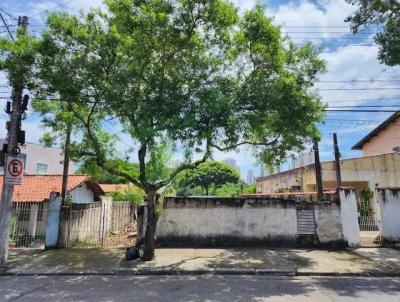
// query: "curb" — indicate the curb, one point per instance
point(349, 274)
point(198, 272)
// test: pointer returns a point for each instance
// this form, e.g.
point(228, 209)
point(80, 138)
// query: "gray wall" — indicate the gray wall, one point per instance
point(205, 221)
point(389, 206)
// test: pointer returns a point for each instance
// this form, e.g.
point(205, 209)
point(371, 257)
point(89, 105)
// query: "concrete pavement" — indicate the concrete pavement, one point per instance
point(198, 288)
point(249, 261)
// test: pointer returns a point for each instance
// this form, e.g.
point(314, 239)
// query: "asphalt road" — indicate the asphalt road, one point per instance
point(200, 288)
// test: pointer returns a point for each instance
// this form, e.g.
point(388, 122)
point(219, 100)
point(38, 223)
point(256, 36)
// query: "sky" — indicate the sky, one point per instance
point(354, 75)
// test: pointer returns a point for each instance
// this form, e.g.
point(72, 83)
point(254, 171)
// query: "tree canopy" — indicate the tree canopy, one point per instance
point(208, 175)
point(386, 14)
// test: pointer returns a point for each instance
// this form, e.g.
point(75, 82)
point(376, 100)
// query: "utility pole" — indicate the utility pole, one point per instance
point(337, 161)
point(14, 136)
point(318, 174)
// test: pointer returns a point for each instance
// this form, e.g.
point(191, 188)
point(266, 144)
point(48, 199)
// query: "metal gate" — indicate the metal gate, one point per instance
point(28, 224)
point(369, 223)
point(306, 221)
point(97, 225)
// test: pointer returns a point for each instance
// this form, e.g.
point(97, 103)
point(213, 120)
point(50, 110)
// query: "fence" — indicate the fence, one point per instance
point(106, 223)
point(28, 224)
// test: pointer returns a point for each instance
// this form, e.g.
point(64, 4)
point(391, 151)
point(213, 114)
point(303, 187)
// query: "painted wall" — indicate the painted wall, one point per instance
point(207, 221)
point(328, 221)
point(36, 153)
point(226, 221)
point(385, 141)
point(82, 194)
point(381, 170)
point(389, 206)
point(349, 217)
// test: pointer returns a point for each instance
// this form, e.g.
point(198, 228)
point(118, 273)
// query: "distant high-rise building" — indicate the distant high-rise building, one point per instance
point(251, 179)
point(231, 162)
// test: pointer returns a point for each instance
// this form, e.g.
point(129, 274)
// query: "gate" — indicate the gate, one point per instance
point(306, 220)
point(100, 224)
point(28, 224)
point(369, 223)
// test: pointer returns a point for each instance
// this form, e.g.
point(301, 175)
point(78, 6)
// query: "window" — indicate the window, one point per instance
point(41, 168)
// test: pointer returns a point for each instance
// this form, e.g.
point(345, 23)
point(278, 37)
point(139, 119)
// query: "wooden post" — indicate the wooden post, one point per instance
point(318, 174)
point(337, 161)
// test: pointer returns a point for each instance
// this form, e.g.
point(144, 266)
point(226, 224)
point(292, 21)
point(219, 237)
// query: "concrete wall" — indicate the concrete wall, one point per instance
point(349, 217)
point(389, 205)
point(226, 221)
point(387, 139)
point(328, 222)
point(207, 221)
point(381, 170)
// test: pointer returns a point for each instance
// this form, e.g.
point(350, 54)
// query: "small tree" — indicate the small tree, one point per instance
point(386, 14)
point(191, 72)
point(208, 175)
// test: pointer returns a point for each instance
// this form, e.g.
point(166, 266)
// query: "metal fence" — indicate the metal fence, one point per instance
point(99, 224)
point(369, 224)
point(28, 224)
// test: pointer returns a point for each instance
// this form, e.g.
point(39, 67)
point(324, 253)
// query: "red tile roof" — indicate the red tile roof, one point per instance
point(38, 187)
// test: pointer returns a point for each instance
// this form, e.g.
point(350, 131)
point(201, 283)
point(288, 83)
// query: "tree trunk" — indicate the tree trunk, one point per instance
point(66, 163)
point(149, 238)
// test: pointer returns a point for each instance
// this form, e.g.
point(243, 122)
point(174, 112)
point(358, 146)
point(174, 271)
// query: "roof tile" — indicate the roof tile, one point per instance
point(38, 187)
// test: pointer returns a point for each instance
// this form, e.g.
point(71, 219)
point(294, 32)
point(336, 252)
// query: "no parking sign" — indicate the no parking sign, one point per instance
point(14, 170)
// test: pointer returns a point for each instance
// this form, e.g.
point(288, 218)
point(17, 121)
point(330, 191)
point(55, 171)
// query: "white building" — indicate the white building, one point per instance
point(39, 159)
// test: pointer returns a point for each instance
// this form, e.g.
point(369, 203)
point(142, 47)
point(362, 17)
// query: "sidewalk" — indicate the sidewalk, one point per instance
point(249, 261)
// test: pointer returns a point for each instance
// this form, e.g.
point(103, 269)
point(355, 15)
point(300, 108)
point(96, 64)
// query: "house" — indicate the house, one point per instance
point(39, 159)
point(381, 170)
point(382, 139)
point(37, 188)
point(30, 200)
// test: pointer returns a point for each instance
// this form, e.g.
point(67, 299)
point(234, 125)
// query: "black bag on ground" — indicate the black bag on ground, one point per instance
point(132, 253)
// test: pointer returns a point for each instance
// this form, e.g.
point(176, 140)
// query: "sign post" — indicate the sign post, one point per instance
point(14, 171)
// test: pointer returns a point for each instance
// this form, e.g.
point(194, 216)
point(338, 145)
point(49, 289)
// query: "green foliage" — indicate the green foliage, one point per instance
point(17, 59)
point(102, 176)
point(149, 64)
point(208, 175)
point(250, 189)
point(367, 194)
point(133, 196)
point(386, 14)
point(229, 190)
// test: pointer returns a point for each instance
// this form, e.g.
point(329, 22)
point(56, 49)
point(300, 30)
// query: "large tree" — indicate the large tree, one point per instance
point(192, 72)
point(385, 14)
point(208, 175)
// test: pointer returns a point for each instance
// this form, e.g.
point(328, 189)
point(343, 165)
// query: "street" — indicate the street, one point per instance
point(198, 288)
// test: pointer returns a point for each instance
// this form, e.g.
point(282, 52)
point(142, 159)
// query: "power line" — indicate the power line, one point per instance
point(366, 106)
point(6, 25)
point(8, 14)
point(53, 8)
point(360, 110)
point(361, 81)
point(365, 100)
point(375, 88)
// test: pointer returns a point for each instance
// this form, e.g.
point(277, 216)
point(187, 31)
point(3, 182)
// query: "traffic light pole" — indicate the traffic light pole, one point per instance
point(12, 150)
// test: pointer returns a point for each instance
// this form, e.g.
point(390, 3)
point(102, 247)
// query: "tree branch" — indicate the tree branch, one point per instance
point(231, 147)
